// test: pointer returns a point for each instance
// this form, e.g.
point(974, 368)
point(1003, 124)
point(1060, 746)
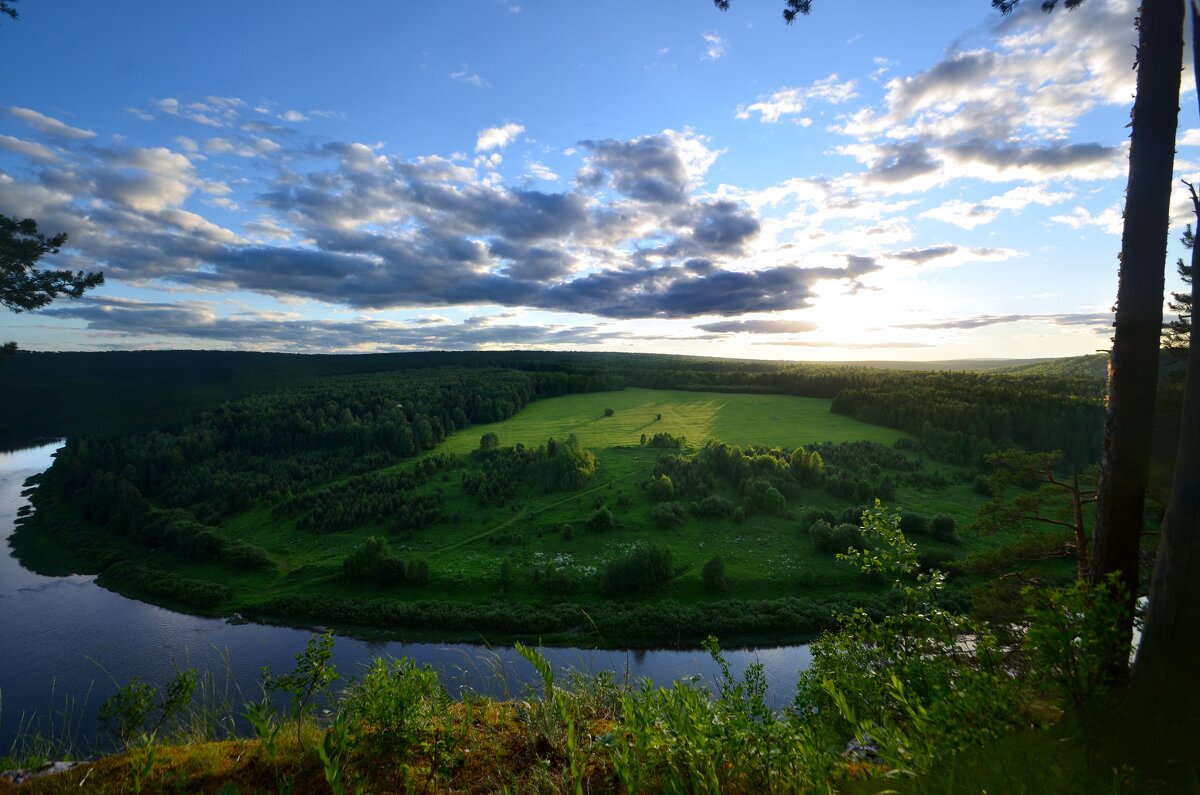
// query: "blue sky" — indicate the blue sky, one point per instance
point(876, 181)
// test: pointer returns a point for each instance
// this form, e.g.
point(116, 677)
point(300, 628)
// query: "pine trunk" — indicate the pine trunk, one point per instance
point(1168, 659)
point(1133, 368)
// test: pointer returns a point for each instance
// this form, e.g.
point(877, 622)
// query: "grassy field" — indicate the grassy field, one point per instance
point(733, 418)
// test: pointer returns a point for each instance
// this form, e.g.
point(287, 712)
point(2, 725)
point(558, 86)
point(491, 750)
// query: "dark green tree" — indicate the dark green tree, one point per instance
point(1046, 497)
point(24, 286)
point(1177, 333)
point(714, 575)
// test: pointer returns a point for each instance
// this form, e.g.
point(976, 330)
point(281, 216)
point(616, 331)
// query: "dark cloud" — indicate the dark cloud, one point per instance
point(855, 346)
point(1057, 158)
point(901, 162)
point(759, 327)
point(723, 227)
point(923, 255)
point(977, 321)
point(676, 292)
point(648, 169)
point(197, 322)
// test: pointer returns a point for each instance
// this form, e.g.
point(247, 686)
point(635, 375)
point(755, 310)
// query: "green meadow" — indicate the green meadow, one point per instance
point(741, 419)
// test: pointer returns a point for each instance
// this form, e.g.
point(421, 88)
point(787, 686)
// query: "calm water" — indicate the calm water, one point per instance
point(65, 640)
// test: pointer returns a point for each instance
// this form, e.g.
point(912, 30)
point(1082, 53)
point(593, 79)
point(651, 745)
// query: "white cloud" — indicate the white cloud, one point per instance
point(542, 171)
point(969, 215)
point(140, 114)
point(714, 46)
point(497, 137)
point(1110, 220)
point(34, 151)
point(293, 116)
point(792, 101)
point(49, 126)
point(465, 75)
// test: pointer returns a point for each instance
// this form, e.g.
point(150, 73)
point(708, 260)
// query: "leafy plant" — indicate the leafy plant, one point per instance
point(134, 703)
point(1071, 634)
point(313, 674)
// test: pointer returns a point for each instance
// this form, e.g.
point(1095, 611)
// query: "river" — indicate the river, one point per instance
point(66, 644)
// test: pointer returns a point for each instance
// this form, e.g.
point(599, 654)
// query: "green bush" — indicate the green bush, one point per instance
point(393, 708)
point(602, 520)
point(668, 514)
point(714, 575)
point(637, 573)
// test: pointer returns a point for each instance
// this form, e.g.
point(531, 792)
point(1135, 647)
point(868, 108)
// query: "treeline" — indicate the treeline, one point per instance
point(961, 417)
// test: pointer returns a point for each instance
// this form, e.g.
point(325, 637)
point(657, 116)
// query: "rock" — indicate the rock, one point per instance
point(30, 773)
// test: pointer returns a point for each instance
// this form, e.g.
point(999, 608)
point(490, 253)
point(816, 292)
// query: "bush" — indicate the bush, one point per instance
point(714, 575)
point(609, 412)
point(641, 571)
point(831, 540)
point(659, 488)
point(914, 524)
point(739, 515)
point(714, 507)
point(372, 562)
point(942, 527)
point(668, 514)
point(394, 706)
point(602, 520)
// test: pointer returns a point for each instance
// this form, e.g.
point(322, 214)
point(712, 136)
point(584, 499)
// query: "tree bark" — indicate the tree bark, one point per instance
point(1164, 674)
point(1133, 368)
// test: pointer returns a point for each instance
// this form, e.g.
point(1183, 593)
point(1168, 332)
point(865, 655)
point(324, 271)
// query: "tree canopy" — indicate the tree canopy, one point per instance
point(24, 286)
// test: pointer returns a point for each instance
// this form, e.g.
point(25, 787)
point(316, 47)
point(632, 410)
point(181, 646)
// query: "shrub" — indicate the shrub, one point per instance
point(637, 573)
point(372, 562)
point(668, 514)
point(943, 527)
point(714, 575)
point(739, 515)
point(395, 705)
point(914, 523)
point(609, 412)
point(659, 488)
point(714, 507)
point(602, 520)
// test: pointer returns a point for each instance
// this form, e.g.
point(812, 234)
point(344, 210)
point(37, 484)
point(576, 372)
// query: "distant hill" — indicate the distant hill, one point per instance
point(1093, 365)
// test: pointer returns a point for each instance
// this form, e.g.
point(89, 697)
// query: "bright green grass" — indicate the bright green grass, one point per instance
point(734, 418)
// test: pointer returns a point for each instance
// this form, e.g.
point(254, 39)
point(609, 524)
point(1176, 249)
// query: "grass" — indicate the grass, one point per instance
point(733, 418)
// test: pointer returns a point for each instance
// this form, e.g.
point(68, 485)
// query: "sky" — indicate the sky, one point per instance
point(878, 181)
